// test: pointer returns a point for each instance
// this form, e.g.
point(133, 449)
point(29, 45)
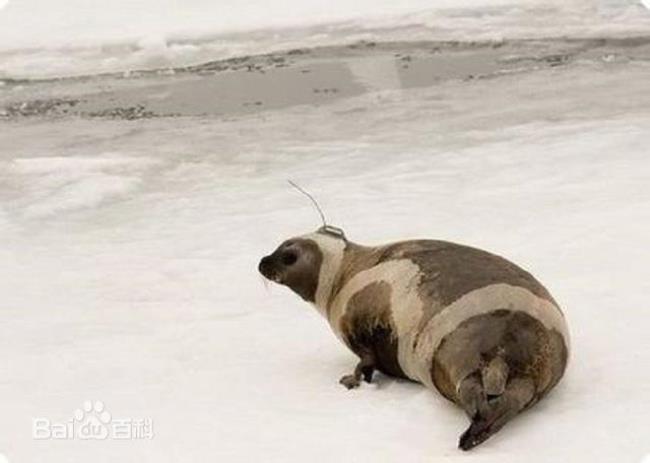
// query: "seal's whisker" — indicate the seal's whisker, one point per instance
point(265, 282)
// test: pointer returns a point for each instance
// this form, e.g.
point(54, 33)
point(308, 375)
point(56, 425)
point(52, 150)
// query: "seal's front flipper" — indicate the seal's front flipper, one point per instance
point(364, 370)
point(498, 411)
point(350, 381)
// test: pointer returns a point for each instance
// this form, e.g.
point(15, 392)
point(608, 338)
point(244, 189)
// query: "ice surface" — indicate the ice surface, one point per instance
point(75, 37)
point(129, 253)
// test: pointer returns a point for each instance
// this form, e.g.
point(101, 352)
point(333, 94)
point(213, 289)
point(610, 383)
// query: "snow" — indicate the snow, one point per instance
point(130, 251)
point(56, 184)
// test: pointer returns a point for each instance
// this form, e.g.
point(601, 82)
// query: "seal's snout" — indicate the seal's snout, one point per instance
point(265, 266)
point(268, 268)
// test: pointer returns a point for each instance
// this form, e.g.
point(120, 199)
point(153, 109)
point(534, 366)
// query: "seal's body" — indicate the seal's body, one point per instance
point(472, 325)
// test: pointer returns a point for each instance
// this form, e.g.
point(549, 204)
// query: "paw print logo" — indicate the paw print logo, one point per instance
point(92, 421)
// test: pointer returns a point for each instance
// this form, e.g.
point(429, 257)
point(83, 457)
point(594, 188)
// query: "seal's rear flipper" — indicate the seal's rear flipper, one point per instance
point(518, 393)
point(494, 376)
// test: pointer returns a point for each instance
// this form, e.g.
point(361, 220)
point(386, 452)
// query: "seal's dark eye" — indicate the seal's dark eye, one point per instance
point(289, 258)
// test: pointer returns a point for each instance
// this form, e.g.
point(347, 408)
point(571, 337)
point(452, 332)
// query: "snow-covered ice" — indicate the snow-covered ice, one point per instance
point(128, 263)
point(128, 267)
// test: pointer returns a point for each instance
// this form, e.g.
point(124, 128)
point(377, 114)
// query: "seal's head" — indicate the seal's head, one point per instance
point(307, 264)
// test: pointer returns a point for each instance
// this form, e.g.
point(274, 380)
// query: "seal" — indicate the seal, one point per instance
point(467, 323)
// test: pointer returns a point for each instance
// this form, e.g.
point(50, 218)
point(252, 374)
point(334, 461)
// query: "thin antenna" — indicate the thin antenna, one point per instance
point(320, 211)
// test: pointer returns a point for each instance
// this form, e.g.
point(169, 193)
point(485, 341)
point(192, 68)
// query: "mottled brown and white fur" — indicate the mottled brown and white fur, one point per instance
point(479, 329)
